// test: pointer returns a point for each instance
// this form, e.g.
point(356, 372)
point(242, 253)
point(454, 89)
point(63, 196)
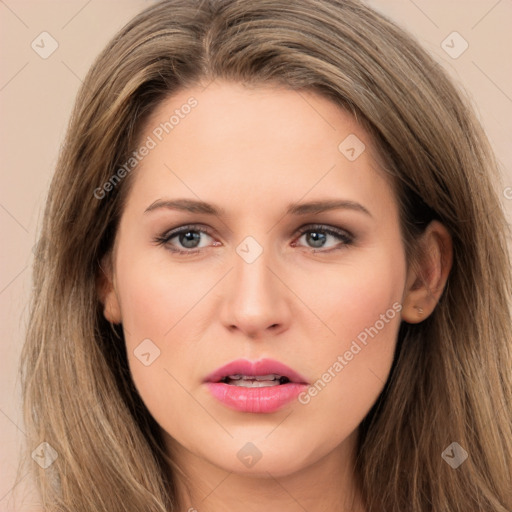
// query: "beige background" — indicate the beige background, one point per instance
point(36, 96)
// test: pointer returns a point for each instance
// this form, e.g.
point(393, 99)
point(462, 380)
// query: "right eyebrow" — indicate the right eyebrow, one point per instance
point(188, 205)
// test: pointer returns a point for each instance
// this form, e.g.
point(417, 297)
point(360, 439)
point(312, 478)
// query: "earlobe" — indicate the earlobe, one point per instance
point(428, 274)
point(106, 291)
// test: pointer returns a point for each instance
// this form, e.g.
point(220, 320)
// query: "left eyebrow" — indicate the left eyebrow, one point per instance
point(323, 206)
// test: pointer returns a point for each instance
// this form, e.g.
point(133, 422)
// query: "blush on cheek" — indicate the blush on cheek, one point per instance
point(367, 306)
point(153, 299)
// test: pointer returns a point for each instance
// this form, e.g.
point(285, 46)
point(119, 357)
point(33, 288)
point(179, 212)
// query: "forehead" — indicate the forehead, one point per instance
point(225, 111)
point(247, 143)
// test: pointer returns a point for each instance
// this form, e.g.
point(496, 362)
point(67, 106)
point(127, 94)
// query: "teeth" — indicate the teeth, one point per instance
point(254, 383)
point(272, 376)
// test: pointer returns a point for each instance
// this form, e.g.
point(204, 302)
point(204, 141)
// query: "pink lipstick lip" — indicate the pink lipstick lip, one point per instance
point(255, 368)
point(265, 399)
point(259, 400)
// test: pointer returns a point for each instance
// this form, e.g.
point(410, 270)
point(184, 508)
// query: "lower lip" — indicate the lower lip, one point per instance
point(256, 400)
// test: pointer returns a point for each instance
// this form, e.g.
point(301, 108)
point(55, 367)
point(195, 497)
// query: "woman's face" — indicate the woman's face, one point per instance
point(267, 277)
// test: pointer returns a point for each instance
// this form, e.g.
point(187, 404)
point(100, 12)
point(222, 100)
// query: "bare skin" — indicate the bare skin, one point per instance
point(303, 301)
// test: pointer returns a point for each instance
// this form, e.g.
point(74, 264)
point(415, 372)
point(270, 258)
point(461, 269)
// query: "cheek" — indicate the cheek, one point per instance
point(355, 295)
point(155, 307)
point(362, 306)
point(154, 296)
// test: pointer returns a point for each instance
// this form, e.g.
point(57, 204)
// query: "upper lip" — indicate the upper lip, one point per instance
point(255, 368)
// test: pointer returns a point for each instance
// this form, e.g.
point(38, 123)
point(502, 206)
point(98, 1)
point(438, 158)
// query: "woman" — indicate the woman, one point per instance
point(272, 275)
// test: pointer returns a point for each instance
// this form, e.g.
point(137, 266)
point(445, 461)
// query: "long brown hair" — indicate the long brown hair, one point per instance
point(451, 378)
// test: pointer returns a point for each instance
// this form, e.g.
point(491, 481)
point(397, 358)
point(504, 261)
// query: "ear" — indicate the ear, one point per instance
point(105, 287)
point(427, 275)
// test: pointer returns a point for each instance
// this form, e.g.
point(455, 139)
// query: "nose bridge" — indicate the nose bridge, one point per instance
point(252, 279)
point(255, 300)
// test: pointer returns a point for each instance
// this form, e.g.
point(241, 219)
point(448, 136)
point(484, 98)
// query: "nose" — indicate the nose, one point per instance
point(256, 301)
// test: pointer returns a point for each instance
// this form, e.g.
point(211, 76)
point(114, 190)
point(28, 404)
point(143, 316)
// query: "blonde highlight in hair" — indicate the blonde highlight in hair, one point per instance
point(451, 377)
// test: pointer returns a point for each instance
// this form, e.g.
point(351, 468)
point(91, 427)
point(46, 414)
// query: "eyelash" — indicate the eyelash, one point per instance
point(342, 235)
